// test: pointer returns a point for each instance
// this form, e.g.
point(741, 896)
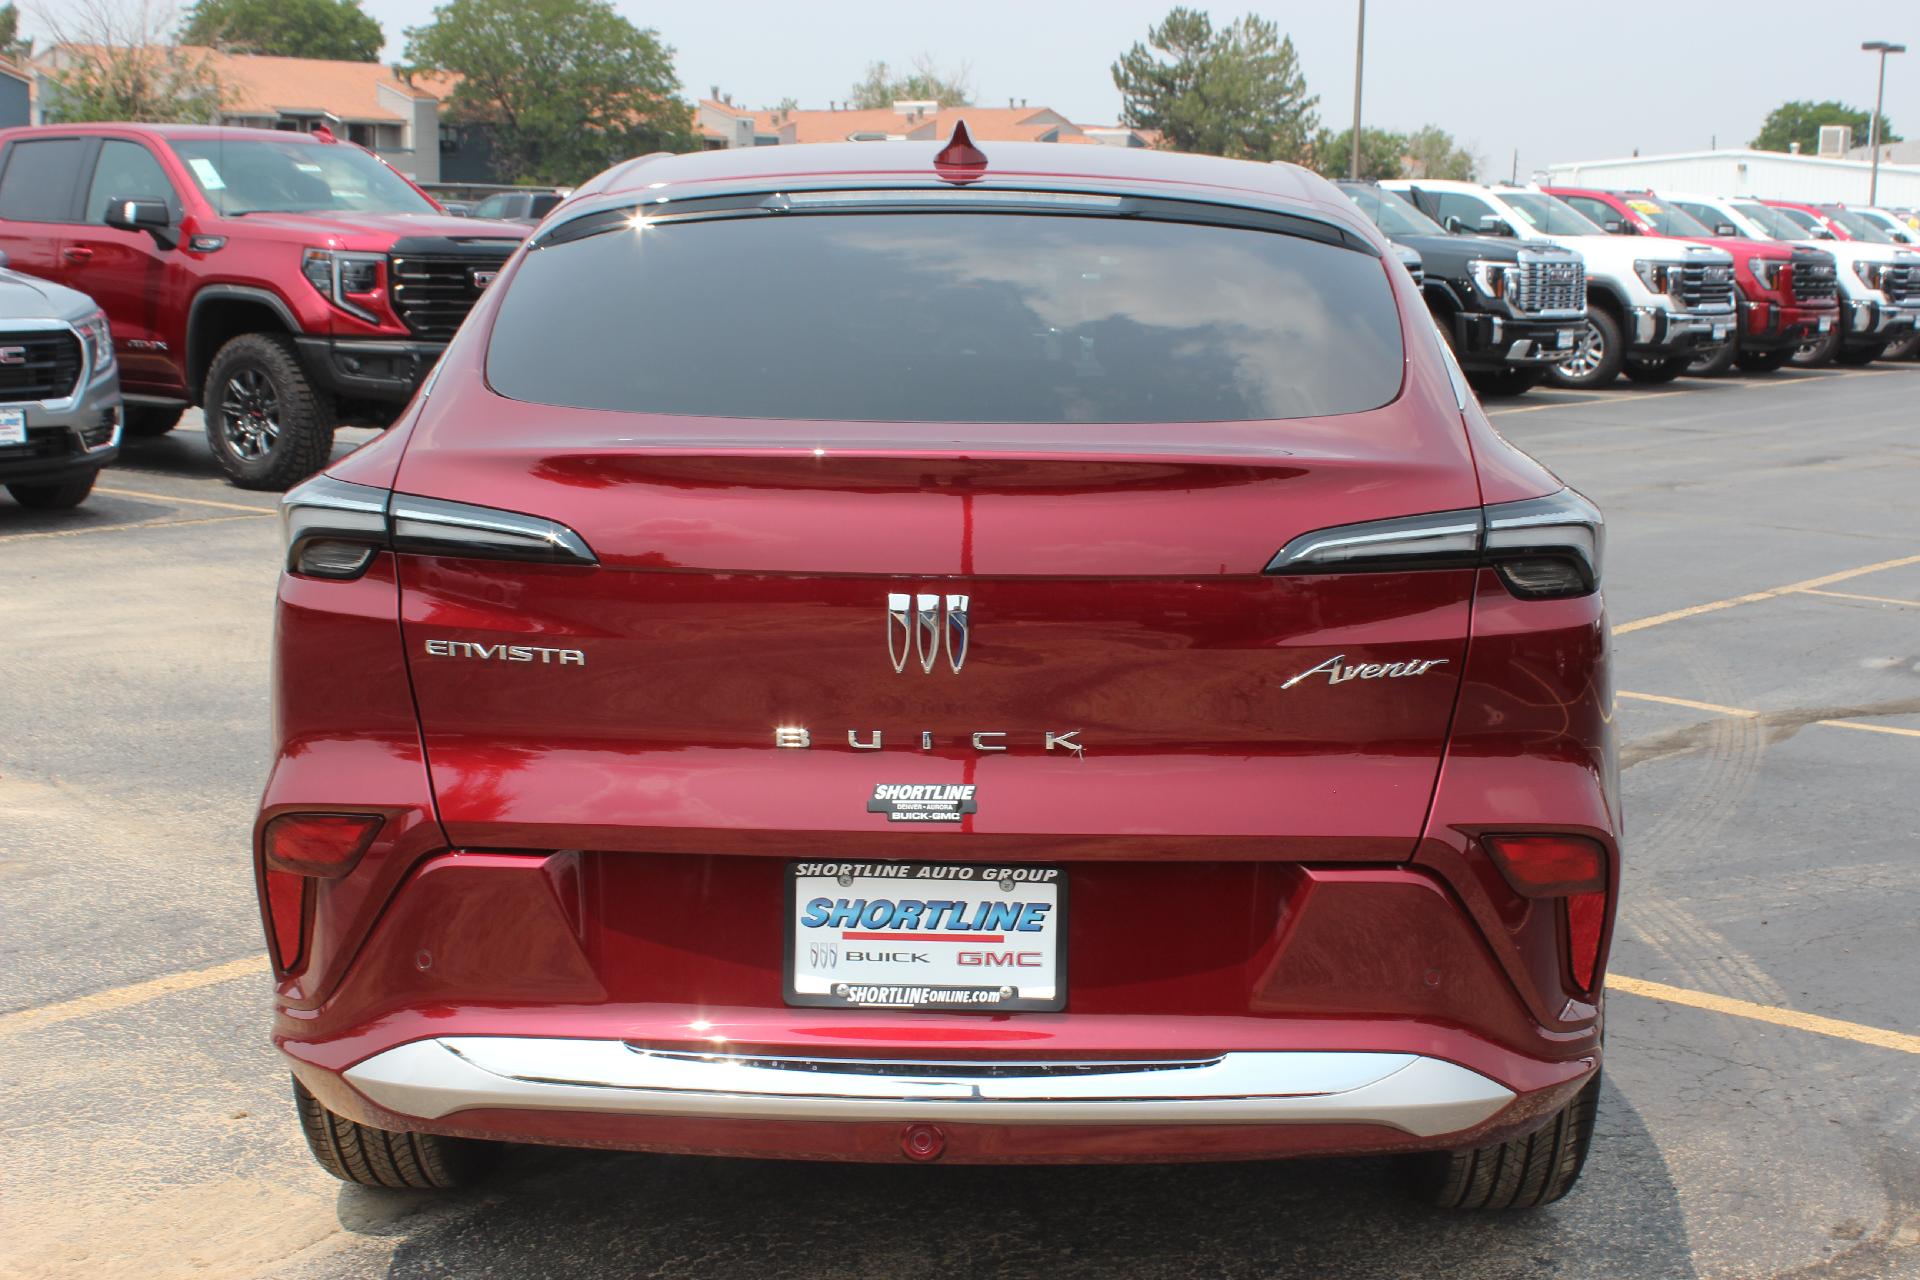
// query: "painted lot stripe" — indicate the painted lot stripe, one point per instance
point(123, 527)
point(12, 1024)
point(1852, 595)
point(1745, 714)
point(1793, 1018)
point(191, 502)
point(1754, 597)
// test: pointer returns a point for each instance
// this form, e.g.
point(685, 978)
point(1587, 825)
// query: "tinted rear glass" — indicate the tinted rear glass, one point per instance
point(41, 179)
point(950, 317)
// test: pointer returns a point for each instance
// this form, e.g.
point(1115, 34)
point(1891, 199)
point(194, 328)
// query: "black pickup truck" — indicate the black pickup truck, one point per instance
point(1510, 310)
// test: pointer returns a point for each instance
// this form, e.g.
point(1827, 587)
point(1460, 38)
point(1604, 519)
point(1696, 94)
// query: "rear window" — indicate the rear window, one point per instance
point(949, 317)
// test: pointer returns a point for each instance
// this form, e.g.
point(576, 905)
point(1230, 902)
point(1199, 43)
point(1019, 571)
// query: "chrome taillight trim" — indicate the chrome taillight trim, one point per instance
point(1562, 525)
point(324, 509)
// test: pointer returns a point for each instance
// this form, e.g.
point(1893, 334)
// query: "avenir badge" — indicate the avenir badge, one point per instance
point(922, 802)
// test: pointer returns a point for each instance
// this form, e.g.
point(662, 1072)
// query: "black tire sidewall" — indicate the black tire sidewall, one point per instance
point(54, 495)
point(147, 420)
point(306, 414)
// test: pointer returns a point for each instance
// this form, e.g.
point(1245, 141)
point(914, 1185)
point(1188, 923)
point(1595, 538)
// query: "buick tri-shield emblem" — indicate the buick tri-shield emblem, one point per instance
point(919, 626)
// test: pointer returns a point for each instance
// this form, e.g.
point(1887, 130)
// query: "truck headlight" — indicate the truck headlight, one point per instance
point(1870, 273)
point(1659, 277)
point(1494, 279)
point(340, 276)
point(97, 338)
point(1767, 271)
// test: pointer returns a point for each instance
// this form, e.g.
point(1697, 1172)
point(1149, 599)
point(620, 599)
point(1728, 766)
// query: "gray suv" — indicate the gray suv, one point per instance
point(59, 392)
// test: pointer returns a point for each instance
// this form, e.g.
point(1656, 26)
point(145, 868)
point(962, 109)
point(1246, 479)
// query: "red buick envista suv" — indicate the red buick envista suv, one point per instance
point(867, 653)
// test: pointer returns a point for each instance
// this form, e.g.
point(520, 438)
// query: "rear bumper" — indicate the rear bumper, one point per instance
point(1420, 1096)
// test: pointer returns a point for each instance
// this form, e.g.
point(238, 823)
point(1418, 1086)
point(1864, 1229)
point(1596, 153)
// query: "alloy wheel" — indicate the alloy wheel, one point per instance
point(1587, 353)
point(250, 414)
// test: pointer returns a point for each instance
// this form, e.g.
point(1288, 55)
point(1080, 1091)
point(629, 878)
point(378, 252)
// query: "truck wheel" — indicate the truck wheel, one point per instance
point(1819, 352)
point(1522, 1174)
point(1493, 383)
point(1857, 356)
point(374, 1157)
point(269, 427)
point(1763, 361)
point(1712, 366)
point(152, 419)
point(57, 496)
point(1656, 371)
point(1905, 349)
point(1597, 360)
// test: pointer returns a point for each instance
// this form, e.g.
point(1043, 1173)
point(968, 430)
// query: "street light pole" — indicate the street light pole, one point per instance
point(1882, 48)
point(1359, 69)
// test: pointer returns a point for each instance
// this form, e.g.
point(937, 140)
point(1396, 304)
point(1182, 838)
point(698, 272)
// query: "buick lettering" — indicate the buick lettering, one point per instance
point(889, 652)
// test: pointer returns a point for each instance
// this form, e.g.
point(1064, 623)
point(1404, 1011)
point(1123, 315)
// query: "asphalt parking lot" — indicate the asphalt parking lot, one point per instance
point(1762, 1114)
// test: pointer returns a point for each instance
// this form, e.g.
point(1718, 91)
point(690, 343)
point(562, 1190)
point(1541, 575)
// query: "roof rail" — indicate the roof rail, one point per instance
point(605, 179)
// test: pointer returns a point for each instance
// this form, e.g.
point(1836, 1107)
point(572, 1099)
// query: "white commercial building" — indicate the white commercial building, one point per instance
point(1768, 174)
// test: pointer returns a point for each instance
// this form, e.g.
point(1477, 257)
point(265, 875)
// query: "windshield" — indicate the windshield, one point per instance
point(1550, 215)
point(1391, 212)
point(1858, 227)
point(1666, 219)
point(270, 175)
point(1708, 216)
point(1772, 221)
point(949, 317)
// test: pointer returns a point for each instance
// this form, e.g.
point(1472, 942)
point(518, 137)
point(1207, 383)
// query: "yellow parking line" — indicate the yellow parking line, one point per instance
point(1850, 595)
point(1599, 397)
point(1746, 714)
point(1793, 1018)
point(1753, 597)
point(191, 502)
point(122, 527)
point(12, 1024)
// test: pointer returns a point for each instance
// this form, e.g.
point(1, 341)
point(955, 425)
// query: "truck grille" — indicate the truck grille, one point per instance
point(432, 292)
point(1901, 284)
point(1813, 282)
point(38, 365)
point(1551, 284)
point(1707, 288)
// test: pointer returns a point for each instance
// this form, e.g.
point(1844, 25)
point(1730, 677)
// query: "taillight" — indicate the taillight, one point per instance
point(1543, 548)
point(1570, 869)
point(334, 529)
point(318, 844)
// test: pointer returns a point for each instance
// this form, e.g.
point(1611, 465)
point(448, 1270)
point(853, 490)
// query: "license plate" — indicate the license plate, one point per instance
point(1826, 323)
point(926, 935)
point(1565, 338)
point(13, 426)
point(1720, 331)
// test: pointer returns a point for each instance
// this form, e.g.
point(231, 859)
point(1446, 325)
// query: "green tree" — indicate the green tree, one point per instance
point(1800, 122)
point(926, 82)
point(565, 87)
point(1233, 91)
point(287, 28)
point(11, 45)
point(116, 60)
point(1381, 154)
point(1432, 153)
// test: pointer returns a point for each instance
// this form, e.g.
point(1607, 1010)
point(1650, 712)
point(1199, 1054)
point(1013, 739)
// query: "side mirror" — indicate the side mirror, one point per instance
point(1454, 225)
point(142, 214)
point(1818, 232)
point(1493, 225)
point(1725, 229)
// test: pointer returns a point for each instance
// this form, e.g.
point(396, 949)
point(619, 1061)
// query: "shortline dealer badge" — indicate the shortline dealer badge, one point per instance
point(922, 802)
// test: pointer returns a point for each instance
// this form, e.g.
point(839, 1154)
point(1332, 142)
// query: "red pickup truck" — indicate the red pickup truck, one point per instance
point(284, 282)
point(1786, 291)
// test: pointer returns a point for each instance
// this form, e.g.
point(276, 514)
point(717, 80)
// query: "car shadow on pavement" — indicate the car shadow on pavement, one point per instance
point(555, 1212)
point(183, 451)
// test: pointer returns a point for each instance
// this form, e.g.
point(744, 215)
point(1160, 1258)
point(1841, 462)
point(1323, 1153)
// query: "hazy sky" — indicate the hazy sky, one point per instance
point(1560, 82)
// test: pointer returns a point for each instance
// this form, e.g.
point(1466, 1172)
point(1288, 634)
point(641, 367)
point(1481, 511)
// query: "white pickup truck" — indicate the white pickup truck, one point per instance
point(1654, 304)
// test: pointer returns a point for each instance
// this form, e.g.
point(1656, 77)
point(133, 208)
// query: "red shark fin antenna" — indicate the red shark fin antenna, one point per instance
point(960, 154)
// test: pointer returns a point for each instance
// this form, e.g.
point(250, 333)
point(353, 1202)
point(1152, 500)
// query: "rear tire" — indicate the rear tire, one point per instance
point(1598, 359)
point(1499, 383)
point(1522, 1174)
point(58, 496)
point(1653, 372)
point(1716, 364)
point(373, 1157)
point(152, 419)
point(269, 427)
point(1764, 361)
point(1854, 357)
point(1818, 353)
